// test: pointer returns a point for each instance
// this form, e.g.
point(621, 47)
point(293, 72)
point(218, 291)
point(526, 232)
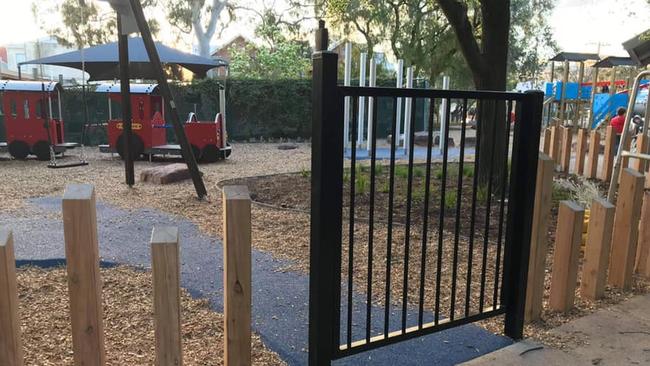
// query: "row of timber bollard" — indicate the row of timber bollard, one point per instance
point(617, 244)
point(558, 144)
point(84, 284)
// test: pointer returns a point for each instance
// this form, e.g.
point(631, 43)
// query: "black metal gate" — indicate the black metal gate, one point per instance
point(403, 250)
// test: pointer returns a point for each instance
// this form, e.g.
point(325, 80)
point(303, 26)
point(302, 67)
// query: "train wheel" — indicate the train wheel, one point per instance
point(42, 150)
point(18, 149)
point(197, 152)
point(210, 154)
point(137, 146)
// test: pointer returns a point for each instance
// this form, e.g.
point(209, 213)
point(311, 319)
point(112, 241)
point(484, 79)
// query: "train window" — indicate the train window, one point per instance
point(156, 108)
point(26, 109)
point(141, 109)
point(12, 106)
point(38, 109)
point(116, 109)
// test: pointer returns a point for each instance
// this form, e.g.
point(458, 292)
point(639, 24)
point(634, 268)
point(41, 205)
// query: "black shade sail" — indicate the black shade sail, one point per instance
point(102, 62)
point(575, 57)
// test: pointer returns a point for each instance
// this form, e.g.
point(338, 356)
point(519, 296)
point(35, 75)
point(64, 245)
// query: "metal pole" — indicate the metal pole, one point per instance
point(408, 111)
point(156, 66)
point(125, 92)
point(326, 210)
point(398, 114)
point(565, 81)
point(362, 100)
point(347, 81)
point(371, 101)
point(593, 98)
point(613, 184)
point(521, 202)
point(442, 145)
point(581, 75)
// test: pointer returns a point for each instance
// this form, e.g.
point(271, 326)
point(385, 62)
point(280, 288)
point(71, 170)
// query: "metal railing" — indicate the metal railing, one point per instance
point(433, 247)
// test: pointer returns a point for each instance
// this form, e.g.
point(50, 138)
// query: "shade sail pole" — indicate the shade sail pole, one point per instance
point(125, 92)
point(157, 69)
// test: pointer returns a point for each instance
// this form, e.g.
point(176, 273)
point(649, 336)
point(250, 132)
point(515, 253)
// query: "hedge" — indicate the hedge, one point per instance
point(256, 109)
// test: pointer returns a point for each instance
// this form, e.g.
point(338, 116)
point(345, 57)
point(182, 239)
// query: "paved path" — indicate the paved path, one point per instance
point(619, 335)
point(279, 297)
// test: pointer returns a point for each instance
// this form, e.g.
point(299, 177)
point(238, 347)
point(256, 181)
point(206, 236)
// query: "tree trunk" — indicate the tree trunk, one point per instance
point(488, 64)
point(204, 44)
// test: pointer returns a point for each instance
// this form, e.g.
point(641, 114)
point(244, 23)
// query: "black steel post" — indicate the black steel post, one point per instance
point(521, 202)
point(326, 205)
point(156, 67)
point(125, 92)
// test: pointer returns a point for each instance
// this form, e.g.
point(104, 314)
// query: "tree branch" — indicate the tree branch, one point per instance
point(456, 13)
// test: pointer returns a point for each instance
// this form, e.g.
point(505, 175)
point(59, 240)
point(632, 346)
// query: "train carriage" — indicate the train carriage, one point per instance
point(208, 139)
point(32, 119)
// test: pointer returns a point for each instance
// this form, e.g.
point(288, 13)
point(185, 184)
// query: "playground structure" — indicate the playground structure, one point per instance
point(208, 139)
point(33, 121)
point(588, 104)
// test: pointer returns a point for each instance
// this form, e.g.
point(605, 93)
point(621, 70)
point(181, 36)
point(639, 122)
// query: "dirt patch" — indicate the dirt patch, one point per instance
point(128, 321)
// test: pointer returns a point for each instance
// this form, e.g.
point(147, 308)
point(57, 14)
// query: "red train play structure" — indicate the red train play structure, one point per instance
point(32, 116)
point(207, 139)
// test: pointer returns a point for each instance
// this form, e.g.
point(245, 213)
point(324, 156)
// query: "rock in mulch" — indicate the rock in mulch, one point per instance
point(287, 147)
point(166, 174)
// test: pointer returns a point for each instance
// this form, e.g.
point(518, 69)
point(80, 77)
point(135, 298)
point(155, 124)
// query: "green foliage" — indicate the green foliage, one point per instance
point(305, 173)
point(468, 171)
point(401, 171)
point(418, 171)
point(385, 187)
point(361, 183)
point(82, 24)
point(256, 108)
point(450, 200)
point(482, 194)
point(288, 60)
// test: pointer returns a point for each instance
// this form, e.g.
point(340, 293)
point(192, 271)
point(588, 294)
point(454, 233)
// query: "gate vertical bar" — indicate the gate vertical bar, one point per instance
point(326, 205)
point(520, 211)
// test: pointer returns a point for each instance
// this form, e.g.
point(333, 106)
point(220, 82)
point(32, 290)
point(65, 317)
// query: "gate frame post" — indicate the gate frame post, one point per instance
point(326, 210)
point(521, 202)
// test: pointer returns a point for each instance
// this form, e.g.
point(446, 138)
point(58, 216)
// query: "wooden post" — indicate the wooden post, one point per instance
point(538, 243)
point(84, 282)
point(643, 252)
point(565, 257)
point(166, 265)
point(626, 229)
point(594, 154)
point(599, 239)
point(555, 143)
point(580, 151)
point(547, 141)
point(11, 348)
point(641, 147)
point(610, 152)
point(567, 139)
point(237, 275)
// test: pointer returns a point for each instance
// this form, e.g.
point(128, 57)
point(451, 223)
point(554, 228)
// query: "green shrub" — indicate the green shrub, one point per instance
point(361, 183)
point(305, 173)
point(401, 171)
point(450, 200)
point(482, 194)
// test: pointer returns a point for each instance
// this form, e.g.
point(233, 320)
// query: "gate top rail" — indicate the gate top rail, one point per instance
point(358, 91)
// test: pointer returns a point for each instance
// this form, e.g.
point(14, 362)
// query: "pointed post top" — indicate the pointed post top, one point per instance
point(322, 38)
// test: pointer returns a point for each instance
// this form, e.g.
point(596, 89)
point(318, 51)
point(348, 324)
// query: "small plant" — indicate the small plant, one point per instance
point(346, 176)
point(450, 200)
point(379, 169)
point(361, 184)
point(305, 173)
point(468, 171)
point(482, 194)
point(582, 191)
point(418, 195)
point(418, 172)
point(401, 171)
point(385, 187)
